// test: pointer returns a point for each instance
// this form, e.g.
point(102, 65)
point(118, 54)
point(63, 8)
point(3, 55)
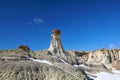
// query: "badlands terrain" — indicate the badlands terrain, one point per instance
point(55, 63)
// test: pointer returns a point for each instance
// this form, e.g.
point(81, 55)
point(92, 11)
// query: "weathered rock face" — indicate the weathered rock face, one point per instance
point(116, 64)
point(77, 53)
point(28, 70)
point(80, 56)
point(103, 56)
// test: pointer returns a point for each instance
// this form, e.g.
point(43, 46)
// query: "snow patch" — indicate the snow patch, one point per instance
point(63, 61)
point(42, 61)
point(81, 65)
point(116, 71)
point(107, 76)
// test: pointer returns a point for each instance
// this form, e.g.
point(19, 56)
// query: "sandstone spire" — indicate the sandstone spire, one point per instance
point(56, 47)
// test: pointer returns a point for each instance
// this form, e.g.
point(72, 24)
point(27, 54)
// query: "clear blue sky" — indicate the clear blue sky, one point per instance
point(85, 24)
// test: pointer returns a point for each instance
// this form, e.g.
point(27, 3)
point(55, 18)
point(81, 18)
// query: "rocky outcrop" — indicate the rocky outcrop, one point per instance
point(103, 56)
point(47, 55)
point(80, 56)
point(77, 53)
point(25, 48)
point(15, 54)
point(29, 70)
point(22, 69)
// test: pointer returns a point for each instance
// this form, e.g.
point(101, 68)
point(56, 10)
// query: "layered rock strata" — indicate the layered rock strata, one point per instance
point(103, 56)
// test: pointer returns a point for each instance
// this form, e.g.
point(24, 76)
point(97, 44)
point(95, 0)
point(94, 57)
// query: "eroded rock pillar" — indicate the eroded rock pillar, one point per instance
point(56, 47)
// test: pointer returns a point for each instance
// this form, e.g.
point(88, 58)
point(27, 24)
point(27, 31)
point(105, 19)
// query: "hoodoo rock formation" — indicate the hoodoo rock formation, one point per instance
point(56, 47)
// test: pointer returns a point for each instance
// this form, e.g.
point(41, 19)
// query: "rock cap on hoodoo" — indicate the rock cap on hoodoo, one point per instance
point(56, 31)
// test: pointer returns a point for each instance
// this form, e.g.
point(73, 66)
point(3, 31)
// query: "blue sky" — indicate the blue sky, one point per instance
point(85, 24)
